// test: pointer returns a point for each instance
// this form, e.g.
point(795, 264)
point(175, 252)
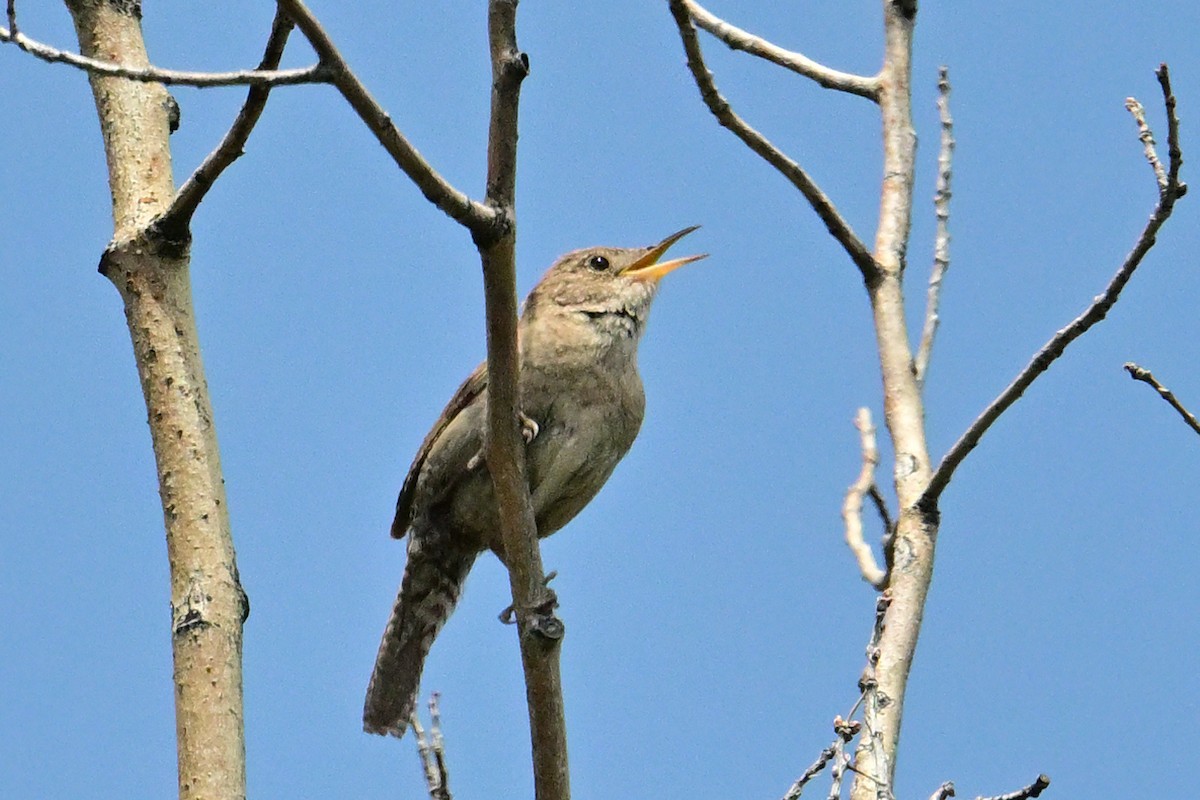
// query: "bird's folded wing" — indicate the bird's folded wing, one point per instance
point(467, 393)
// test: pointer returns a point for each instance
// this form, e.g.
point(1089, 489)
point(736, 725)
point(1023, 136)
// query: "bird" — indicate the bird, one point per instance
point(582, 405)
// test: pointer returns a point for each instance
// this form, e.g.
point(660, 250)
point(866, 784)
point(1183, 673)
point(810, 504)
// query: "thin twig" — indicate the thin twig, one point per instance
point(1032, 790)
point(1100, 307)
point(1146, 376)
point(885, 515)
point(481, 220)
point(944, 791)
point(175, 222)
point(1147, 136)
point(840, 762)
point(838, 227)
point(813, 771)
point(12, 19)
point(439, 749)
point(852, 505)
point(941, 245)
point(738, 39)
point(317, 73)
point(432, 753)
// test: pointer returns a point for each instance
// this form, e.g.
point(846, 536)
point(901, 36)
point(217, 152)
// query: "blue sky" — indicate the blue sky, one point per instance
point(716, 622)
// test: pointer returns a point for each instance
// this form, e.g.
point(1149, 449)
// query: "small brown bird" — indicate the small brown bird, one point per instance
point(582, 406)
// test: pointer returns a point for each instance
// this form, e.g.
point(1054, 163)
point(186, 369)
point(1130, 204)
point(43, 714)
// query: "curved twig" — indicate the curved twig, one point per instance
point(852, 506)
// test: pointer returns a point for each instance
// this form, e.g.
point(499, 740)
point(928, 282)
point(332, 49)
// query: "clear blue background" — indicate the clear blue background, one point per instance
point(716, 621)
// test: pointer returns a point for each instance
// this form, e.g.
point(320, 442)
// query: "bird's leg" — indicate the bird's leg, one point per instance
point(529, 431)
point(544, 608)
point(529, 428)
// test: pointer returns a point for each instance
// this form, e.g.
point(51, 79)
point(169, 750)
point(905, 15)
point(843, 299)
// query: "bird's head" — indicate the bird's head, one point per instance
point(612, 286)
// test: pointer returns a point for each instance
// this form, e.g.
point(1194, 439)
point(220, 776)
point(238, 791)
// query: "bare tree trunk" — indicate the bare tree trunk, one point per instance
point(904, 412)
point(151, 273)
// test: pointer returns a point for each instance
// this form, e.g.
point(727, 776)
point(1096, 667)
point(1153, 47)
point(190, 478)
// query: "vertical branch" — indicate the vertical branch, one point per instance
point(539, 632)
point(208, 606)
point(916, 530)
point(941, 242)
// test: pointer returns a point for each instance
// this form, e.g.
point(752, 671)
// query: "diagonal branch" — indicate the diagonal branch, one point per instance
point(483, 222)
point(175, 222)
point(738, 39)
point(1034, 789)
point(1172, 191)
point(317, 73)
point(941, 244)
point(1146, 376)
point(838, 227)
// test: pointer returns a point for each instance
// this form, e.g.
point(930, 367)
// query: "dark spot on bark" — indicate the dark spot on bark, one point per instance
point(192, 620)
point(173, 113)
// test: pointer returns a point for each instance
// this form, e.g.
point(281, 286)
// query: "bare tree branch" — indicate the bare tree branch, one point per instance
point(1147, 137)
point(317, 73)
point(852, 506)
point(941, 246)
point(1034, 789)
point(881, 507)
point(838, 227)
point(483, 221)
point(1099, 308)
point(911, 552)
point(797, 788)
point(540, 632)
point(208, 605)
point(946, 790)
point(432, 752)
point(846, 730)
point(176, 221)
point(1145, 376)
point(738, 39)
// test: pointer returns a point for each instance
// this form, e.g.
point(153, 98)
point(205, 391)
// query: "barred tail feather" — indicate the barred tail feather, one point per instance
point(433, 580)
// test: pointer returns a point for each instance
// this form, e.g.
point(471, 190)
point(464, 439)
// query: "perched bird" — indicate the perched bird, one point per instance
point(581, 406)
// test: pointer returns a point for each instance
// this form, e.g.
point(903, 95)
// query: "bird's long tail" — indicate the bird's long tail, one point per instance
point(433, 580)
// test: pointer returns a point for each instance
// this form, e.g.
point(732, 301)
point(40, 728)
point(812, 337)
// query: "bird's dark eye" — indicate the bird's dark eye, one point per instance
point(598, 263)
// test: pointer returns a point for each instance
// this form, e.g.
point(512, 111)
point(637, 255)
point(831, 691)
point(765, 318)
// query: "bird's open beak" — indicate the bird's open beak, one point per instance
point(648, 267)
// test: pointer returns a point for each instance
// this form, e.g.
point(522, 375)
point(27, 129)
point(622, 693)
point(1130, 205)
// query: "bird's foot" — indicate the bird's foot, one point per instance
point(544, 621)
point(529, 428)
point(529, 431)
